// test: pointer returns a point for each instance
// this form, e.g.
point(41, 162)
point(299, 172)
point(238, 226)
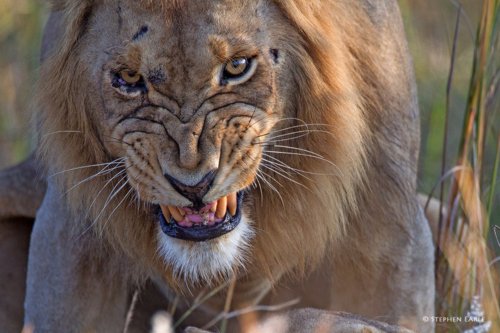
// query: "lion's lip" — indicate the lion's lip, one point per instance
point(205, 224)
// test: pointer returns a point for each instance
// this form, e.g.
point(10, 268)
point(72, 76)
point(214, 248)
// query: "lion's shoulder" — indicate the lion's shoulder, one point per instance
point(21, 190)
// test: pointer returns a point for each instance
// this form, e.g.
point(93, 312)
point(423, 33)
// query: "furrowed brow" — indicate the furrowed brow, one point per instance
point(224, 49)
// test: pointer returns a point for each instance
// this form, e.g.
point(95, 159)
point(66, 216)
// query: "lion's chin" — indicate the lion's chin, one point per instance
point(211, 260)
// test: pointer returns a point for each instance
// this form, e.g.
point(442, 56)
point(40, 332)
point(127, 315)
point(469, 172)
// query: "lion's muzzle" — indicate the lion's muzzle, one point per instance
point(200, 221)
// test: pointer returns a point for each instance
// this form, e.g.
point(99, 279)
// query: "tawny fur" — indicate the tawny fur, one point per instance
point(345, 71)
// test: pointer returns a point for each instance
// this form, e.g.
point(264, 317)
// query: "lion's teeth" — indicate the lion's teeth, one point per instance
point(175, 213)
point(211, 219)
point(232, 203)
point(213, 209)
point(221, 207)
point(181, 211)
point(166, 213)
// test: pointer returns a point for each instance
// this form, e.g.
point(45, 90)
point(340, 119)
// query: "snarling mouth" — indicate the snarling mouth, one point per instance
point(211, 221)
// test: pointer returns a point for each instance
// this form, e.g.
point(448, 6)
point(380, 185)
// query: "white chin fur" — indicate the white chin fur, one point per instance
point(203, 262)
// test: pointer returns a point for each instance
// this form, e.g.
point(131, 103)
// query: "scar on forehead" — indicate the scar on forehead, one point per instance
point(140, 33)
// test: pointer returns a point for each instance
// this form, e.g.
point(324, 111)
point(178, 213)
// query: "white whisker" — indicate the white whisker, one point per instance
point(274, 169)
point(276, 162)
point(310, 154)
point(298, 134)
point(117, 206)
point(271, 186)
point(88, 211)
point(104, 171)
point(259, 185)
point(278, 121)
point(122, 183)
point(299, 149)
point(59, 132)
point(102, 189)
point(89, 166)
point(301, 126)
point(299, 171)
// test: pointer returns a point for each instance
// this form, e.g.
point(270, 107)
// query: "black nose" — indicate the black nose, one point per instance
point(194, 193)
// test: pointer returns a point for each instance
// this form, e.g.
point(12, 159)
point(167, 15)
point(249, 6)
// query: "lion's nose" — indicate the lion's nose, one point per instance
point(194, 193)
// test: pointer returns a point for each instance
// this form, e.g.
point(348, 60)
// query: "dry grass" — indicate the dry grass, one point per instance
point(467, 277)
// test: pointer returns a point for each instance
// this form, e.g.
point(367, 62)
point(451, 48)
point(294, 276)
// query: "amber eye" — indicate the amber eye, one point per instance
point(128, 82)
point(130, 77)
point(237, 66)
point(238, 70)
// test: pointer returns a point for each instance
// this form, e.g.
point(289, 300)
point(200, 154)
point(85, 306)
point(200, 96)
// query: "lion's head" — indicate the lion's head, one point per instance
point(200, 136)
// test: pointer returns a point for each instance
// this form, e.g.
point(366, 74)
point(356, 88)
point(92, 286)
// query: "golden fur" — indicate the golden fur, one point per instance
point(338, 97)
point(344, 77)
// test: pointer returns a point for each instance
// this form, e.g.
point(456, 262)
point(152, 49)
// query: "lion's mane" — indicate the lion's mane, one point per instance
point(339, 84)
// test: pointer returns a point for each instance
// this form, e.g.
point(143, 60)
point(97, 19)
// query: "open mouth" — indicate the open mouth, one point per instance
point(211, 221)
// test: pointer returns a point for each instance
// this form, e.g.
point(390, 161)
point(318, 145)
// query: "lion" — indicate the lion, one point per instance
point(266, 148)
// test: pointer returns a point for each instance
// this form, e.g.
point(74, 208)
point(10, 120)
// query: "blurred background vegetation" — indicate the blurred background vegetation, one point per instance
point(21, 24)
point(430, 27)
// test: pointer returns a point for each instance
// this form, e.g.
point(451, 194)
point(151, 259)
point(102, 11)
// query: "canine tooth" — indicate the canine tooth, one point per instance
point(181, 211)
point(166, 213)
point(175, 213)
point(232, 203)
point(221, 207)
point(213, 209)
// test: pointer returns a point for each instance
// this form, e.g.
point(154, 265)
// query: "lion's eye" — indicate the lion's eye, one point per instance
point(130, 77)
point(236, 67)
point(238, 70)
point(128, 82)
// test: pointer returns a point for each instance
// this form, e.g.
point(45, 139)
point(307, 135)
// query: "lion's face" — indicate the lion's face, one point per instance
point(215, 123)
point(187, 100)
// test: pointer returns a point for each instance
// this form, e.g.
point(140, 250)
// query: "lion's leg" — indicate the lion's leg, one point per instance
point(391, 282)
point(398, 285)
point(71, 284)
point(21, 192)
point(14, 242)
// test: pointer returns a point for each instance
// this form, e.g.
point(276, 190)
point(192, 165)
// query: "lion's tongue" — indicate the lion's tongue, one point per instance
point(210, 214)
